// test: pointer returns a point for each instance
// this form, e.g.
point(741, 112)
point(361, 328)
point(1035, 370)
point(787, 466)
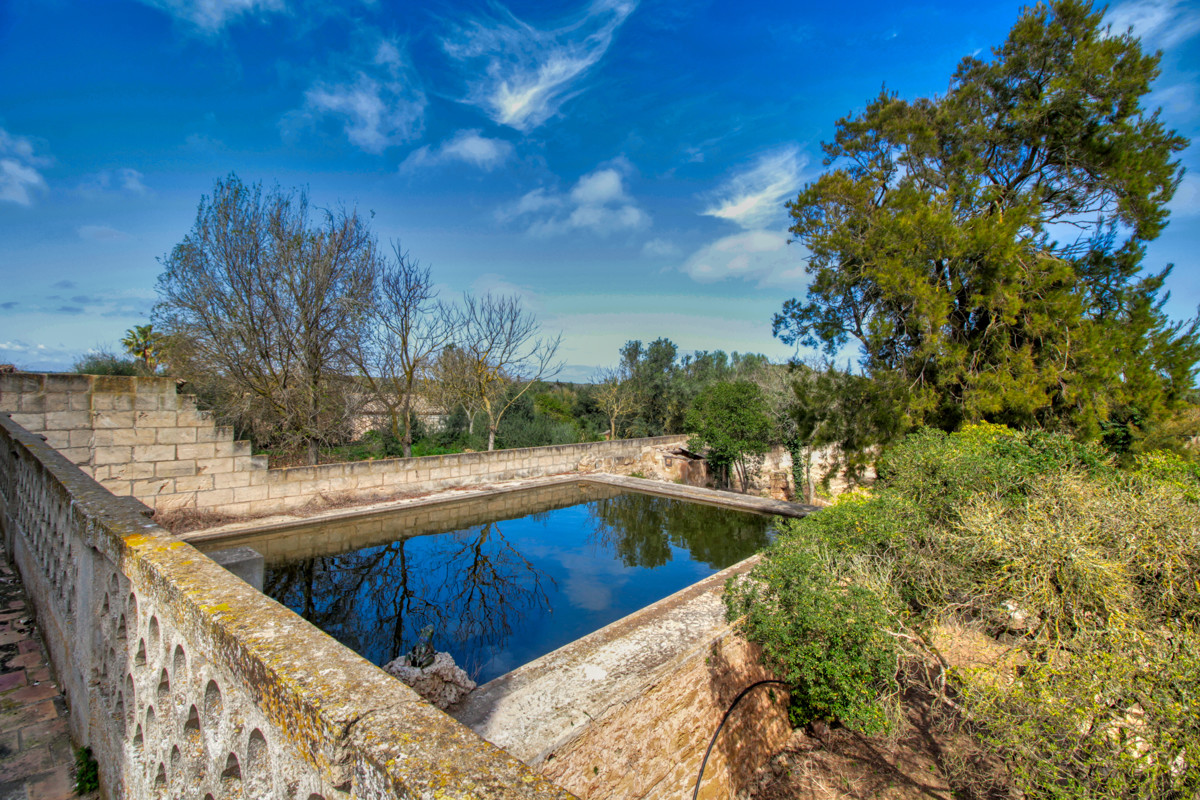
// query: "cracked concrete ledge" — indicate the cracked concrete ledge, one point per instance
point(538, 708)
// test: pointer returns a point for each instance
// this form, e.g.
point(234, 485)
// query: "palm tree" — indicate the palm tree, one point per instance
point(142, 342)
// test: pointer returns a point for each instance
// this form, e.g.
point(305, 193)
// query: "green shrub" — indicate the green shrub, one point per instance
point(824, 637)
point(1166, 468)
point(1090, 577)
point(103, 362)
point(941, 471)
point(1114, 716)
point(861, 523)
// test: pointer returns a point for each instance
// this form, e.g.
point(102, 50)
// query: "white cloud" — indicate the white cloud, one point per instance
point(1158, 23)
point(1186, 202)
point(754, 197)
point(101, 233)
point(124, 179)
point(599, 188)
point(597, 202)
point(467, 146)
point(378, 98)
point(496, 284)
point(661, 248)
point(521, 75)
point(211, 15)
point(20, 178)
point(761, 256)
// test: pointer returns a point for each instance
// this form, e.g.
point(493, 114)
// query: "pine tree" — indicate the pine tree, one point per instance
point(985, 248)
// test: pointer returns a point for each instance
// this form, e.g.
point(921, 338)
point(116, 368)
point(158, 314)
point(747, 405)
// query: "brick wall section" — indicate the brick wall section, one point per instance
point(138, 437)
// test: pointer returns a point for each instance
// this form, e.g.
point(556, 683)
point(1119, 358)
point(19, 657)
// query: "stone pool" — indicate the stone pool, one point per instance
point(502, 580)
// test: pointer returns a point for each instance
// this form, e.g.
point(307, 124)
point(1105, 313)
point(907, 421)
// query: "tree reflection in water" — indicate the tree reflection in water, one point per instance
point(469, 585)
point(490, 596)
point(641, 529)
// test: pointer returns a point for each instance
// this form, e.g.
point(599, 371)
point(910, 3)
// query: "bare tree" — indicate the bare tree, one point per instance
point(260, 299)
point(451, 383)
point(408, 327)
point(614, 395)
point(503, 353)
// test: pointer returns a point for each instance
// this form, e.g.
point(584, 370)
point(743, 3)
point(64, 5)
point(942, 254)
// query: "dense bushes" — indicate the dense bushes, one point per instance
point(1086, 577)
point(823, 635)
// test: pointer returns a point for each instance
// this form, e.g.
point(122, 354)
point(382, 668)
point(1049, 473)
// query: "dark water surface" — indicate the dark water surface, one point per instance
point(503, 580)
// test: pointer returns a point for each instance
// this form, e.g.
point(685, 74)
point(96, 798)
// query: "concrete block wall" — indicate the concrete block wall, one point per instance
point(138, 437)
point(186, 682)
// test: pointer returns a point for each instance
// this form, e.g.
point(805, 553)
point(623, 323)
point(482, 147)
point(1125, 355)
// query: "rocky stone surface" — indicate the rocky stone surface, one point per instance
point(442, 683)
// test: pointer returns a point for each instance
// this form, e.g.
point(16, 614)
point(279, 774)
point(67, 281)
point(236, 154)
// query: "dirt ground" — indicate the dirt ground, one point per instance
point(819, 763)
point(914, 763)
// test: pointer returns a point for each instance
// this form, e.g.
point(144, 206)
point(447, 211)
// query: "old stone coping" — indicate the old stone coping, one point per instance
point(564, 706)
point(537, 708)
point(186, 681)
point(247, 531)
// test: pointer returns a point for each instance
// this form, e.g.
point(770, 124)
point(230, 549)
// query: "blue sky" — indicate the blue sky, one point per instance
point(622, 165)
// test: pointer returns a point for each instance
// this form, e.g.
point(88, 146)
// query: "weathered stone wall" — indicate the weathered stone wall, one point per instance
point(186, 682)
point(138, 437)
point(652, 746)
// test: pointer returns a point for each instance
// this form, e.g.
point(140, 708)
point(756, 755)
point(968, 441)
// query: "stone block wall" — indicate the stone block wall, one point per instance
point(186, 682)
point(138, 437)
point(651, 747)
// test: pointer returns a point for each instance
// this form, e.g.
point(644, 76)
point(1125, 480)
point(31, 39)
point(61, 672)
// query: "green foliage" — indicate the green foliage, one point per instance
point(823, 637)
point(843, 416)
point(665, 384)
point(1115, 718)
point(940, 471)
point(87, 771)
point(730, 421)
point(102, 362)
point(932, 247)
point(1164, 468)
point(1089, 576)
point(146, 345)
point(862, 523)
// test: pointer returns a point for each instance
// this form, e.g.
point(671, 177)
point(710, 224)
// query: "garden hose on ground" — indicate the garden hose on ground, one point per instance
point(728, 711)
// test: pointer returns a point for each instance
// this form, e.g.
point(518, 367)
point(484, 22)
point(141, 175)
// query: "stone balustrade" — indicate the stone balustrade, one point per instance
point(183, 680)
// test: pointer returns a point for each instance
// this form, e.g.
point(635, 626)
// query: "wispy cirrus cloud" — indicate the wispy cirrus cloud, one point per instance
point(210, 16)
point(375, 93)
point(20, 175)
point(1158, 23)
point(125, 179)
point(760, 256)
point(754, 197)
point(525, 74)
point(467, 146)
point(598, 202)
point(101, 233)
point(660, 248)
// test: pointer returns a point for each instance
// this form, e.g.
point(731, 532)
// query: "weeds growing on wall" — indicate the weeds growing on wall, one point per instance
point(1086, 576)
point(87, 771)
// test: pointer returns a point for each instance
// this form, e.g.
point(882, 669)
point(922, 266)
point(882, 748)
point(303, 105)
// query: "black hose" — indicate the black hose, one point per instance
point(728, 711)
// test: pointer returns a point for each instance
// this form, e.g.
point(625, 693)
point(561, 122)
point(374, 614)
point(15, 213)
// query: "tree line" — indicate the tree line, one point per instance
point(290, 320)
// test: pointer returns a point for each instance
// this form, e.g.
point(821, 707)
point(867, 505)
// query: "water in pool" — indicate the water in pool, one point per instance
point(501, 581)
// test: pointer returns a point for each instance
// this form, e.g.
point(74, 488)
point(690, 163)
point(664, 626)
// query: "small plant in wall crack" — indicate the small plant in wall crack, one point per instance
point(87, 771)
